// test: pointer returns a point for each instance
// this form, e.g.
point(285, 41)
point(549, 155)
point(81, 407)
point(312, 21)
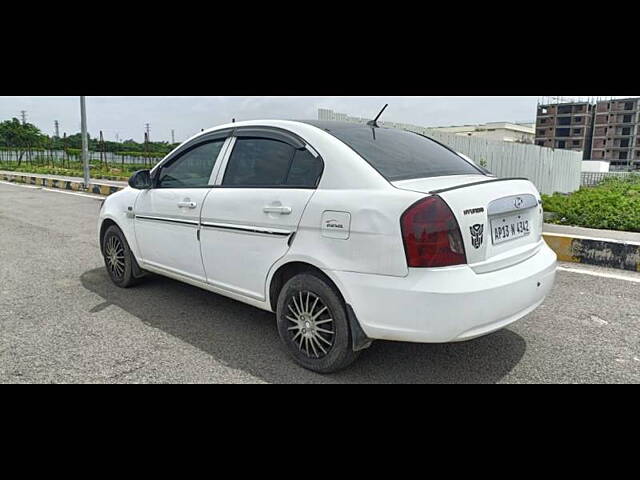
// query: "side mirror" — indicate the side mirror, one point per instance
point(141, 180)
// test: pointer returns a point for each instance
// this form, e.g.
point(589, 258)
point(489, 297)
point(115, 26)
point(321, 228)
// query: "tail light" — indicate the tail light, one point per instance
point(431, 235)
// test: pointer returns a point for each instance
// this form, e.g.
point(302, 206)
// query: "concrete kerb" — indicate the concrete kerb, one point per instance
point(95, 187)
point(603, 252)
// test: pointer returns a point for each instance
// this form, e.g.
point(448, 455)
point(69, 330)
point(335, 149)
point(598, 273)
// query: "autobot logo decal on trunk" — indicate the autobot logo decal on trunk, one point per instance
point(476, 234)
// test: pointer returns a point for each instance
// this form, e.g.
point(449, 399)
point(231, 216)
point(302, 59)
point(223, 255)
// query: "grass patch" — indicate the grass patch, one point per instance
point(612, 205)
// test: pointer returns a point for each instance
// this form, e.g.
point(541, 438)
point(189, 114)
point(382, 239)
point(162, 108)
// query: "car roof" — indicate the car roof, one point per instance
point(329, 125)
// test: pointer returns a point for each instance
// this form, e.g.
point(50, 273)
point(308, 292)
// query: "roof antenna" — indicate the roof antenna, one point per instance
point(374, 122)
point(233, 120)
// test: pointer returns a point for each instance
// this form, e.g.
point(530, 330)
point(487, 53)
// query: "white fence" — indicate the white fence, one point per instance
point(551, 170)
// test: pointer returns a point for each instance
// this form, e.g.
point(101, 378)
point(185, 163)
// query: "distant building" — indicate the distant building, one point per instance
point(616, 134)
point(567, 126)
point(503, 131)
point(608, 130)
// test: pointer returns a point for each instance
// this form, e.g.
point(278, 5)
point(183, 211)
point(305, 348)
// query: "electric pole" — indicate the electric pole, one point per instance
point(23, 114)
point(56, 127)
point(146, 143)
point(173, 136)
point(85, 141)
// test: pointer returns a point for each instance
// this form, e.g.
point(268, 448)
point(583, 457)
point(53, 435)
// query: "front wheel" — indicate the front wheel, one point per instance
point(120, 263)
point(313, 324)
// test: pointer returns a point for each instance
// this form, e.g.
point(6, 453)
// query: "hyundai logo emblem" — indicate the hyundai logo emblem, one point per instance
point(518, 202)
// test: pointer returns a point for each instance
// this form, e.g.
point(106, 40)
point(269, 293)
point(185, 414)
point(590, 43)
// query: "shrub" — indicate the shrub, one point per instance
point(612, 205)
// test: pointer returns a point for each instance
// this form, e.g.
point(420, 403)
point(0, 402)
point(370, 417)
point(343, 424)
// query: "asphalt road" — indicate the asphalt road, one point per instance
point(62, 321)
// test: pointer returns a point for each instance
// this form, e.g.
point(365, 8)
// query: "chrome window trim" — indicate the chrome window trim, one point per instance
point(225, 161)
point(219, 159)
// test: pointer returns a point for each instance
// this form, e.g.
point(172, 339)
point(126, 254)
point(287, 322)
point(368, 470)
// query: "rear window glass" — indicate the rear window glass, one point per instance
point(401, 155)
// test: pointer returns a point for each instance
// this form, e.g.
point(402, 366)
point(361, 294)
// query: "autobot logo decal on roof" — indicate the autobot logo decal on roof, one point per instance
point(476, 234)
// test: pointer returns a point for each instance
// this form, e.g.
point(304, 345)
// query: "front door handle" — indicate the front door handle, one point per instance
point(187, 204)
point(280, 210)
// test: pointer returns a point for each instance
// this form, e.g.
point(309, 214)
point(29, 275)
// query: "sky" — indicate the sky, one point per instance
point(125, 117)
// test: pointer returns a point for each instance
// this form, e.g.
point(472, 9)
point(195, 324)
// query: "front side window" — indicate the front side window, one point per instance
point(193, 168)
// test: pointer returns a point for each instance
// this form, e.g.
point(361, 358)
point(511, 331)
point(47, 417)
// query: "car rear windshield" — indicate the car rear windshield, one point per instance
point(402, 155)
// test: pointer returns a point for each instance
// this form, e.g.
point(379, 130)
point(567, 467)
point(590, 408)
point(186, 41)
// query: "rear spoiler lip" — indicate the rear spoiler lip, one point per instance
point(435, 192)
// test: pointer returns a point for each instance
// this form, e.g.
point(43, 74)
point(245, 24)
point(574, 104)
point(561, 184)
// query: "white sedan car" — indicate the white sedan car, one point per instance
point(348, 232)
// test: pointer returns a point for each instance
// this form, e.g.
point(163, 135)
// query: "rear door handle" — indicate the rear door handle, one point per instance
point(280, 210)
point(187, 204)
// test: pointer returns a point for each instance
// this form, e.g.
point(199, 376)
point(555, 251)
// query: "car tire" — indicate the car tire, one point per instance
point(313, 324)
point(118, 259)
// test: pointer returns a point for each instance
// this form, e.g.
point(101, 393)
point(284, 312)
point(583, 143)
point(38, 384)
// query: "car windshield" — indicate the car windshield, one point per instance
point(399, 154)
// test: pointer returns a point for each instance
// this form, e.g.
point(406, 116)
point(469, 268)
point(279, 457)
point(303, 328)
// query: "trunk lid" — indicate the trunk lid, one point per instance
point(500, 219)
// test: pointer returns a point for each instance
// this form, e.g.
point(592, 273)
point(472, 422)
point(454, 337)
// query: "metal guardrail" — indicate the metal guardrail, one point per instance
point(591, 179)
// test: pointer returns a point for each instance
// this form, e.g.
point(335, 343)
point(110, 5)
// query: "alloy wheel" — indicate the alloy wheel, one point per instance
point(114, 256)
point(313, 328)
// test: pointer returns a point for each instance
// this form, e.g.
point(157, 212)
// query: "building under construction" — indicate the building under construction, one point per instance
point(605, 130)
point(567, 126)
point(616, 133)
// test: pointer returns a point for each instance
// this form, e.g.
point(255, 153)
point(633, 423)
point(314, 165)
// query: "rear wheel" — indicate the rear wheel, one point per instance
point(313, 324)
point(120, 263)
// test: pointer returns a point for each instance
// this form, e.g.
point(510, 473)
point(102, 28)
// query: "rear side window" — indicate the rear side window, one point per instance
point(402, 155)
point(258, 162)
point(305, 170)
point(262, 162)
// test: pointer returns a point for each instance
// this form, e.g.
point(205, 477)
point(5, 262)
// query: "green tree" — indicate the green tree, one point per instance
point(22, 137)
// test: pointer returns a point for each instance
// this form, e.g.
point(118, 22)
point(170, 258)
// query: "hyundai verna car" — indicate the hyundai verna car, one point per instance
point(347, 232)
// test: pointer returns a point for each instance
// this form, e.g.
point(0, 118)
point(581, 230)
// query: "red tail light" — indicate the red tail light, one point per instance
point(431, 235)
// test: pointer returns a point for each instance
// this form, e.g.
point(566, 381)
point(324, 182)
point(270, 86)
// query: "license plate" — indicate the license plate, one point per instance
point(508, 228)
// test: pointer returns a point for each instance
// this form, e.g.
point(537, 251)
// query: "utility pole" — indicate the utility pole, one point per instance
point(173, 136)
point(146, 144)
point(56, 128)
point(103, 155)
point(23, 114)
point(85, 141)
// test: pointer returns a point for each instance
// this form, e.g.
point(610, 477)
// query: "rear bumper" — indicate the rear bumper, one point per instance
point(447, 304)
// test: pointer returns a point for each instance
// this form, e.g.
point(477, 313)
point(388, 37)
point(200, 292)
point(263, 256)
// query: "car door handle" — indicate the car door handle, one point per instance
point(280, 210)
point(187, 204)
